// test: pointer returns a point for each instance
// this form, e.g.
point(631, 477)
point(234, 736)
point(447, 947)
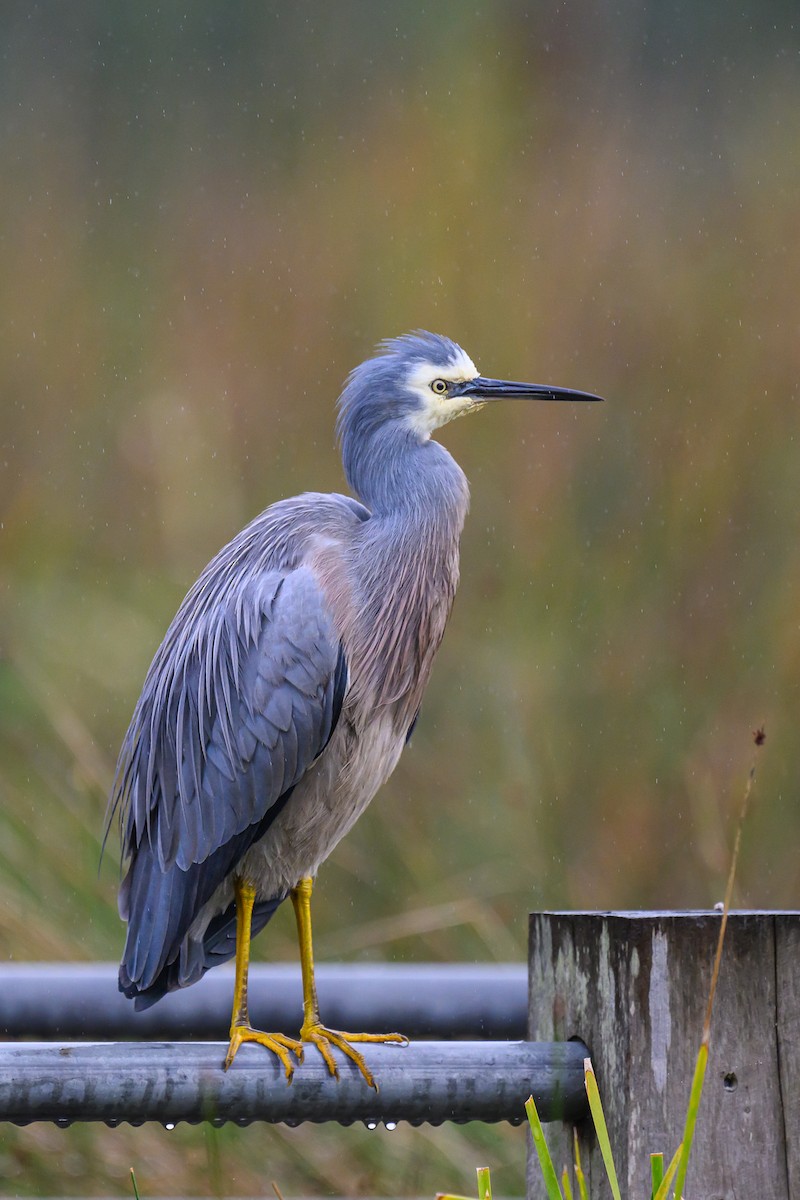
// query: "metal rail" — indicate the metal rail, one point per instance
point(70, 1001)
point(424, 1082)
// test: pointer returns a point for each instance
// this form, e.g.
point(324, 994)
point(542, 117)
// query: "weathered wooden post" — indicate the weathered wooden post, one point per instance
point(634, 987)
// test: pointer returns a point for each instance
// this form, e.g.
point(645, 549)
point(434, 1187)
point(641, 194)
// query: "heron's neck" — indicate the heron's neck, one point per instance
point(407, 571)
point(406, 482)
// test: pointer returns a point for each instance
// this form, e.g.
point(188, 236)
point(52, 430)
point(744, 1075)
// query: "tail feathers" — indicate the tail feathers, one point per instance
point(160, 905)
point(195, 957)
point(164, 903)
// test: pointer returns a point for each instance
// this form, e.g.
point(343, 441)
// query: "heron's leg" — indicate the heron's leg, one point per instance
point(313, 1030)
point(241, 1029)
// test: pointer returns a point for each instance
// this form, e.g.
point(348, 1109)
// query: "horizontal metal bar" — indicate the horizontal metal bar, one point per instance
point(425, 1082)
point(71, 1001)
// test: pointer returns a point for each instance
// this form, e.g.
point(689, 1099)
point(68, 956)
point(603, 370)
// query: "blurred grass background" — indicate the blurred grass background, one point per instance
point(208, 215)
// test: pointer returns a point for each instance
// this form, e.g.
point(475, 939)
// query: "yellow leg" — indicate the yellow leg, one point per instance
point(241, 1029)
point(313, 1030)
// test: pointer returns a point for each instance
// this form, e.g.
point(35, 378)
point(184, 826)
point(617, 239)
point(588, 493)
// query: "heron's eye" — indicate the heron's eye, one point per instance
point(439, 386)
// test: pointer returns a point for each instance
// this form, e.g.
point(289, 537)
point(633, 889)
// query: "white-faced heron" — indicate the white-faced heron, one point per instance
point(287, 685)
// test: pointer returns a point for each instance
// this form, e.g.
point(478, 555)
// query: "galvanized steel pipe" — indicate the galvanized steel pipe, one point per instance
point(426, 1082)
point(72, 1001)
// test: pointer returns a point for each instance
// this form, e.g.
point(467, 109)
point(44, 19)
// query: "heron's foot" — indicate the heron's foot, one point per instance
point(323, 1038)
point(278, 1043)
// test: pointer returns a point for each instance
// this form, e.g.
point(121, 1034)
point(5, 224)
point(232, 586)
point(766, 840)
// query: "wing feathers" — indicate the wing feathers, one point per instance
point(241, 699)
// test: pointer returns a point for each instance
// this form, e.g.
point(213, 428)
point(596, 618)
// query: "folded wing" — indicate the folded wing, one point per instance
point(241, 698)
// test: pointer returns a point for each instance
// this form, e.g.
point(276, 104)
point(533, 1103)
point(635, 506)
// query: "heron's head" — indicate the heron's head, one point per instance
point(422, 381)
point(415, 384)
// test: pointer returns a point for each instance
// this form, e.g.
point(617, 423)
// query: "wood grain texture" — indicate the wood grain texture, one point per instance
point(634, 987)
point(787, 954)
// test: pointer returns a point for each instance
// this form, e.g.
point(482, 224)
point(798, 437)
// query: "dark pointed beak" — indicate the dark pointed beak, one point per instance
point(502, 389)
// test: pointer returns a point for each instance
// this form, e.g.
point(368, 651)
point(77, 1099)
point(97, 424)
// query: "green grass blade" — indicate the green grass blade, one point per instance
point(484, 1184)
point(545, 1161)
point(580, 1178)
point(600, 1127)
point(566, 1186)
point(656, 1173)
point(133, 1184)
point(663, 1188)
point(691, 1116)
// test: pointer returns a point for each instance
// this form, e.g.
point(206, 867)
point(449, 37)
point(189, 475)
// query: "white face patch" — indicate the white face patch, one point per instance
point(437, 409)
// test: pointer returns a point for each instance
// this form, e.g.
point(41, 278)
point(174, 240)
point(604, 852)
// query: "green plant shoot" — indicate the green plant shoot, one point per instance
point(545, 1161)
point(601, 1129)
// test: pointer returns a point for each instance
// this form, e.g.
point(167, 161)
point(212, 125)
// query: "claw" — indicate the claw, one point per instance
point(323, 1038)
point(278, 1043)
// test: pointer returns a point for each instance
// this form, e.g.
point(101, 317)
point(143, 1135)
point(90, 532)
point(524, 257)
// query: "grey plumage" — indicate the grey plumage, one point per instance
point(285, 688)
